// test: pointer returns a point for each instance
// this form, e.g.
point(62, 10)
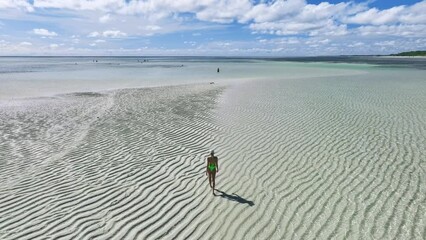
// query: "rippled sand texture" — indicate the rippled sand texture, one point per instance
point(315, 158)
point(325, 158)
point(123, 165)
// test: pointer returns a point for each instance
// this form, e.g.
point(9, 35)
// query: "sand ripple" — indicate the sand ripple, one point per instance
point(320, 158)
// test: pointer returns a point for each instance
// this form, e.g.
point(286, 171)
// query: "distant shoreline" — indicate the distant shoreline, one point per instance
point(403, 57)
point(398, 55)
point(411, 54)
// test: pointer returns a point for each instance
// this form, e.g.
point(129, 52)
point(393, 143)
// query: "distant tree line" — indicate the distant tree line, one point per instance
point(412, 53)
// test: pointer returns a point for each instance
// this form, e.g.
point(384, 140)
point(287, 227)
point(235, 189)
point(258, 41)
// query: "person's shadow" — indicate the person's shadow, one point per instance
point(234, 197)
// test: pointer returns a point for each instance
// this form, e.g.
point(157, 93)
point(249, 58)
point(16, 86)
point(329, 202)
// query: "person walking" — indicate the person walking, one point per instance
point(212, 169)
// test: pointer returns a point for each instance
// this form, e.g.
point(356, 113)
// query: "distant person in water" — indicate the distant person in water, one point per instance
point(212, 169)
point(218, 70)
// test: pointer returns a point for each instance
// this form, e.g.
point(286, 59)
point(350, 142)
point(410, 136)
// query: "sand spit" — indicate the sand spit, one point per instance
point(122, 165)
point(317, 158)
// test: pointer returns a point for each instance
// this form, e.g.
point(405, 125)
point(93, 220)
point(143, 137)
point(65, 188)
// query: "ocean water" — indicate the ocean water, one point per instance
point(338, 157)
point(26, 77)
point(314, 149)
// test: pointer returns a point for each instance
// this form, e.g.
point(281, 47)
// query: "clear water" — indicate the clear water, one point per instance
point(23, 77)
point(308, 150)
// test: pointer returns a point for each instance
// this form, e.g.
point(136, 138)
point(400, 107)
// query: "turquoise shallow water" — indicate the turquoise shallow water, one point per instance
point(312, 150)
point(35, 77)
point(339, 157)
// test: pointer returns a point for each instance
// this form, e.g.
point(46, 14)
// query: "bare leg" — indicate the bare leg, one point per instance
point(210, 179)
point(213, 180)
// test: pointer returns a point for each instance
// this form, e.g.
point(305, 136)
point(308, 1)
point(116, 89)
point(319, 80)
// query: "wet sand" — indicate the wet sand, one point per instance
point(306, 158)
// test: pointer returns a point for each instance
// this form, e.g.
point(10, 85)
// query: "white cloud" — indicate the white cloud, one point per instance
point(415, 14)
point(105, 18)
point(44, 32)
point(153, 27)
point(295, 17)
point(283, 28)
point(289, 27)
point(278, 17)
point(385, 43)
point(356, 44)
point(25, 44)
point(325, 10)
point(279, 41)
point(53, 46)
point(286, 41)
point(113, 34)
point(223, 11)
point(162, 8)
point(291, 22)
point(192, 43)
point(324, 41)
point(330, 28)
point(401, 30)
point(275, 11)
point(93, 34)
point(104, 5)
point(107, 34)
point(376, 17)
point(20, 4)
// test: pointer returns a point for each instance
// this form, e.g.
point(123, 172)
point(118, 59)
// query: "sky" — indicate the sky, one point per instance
point(211, 27)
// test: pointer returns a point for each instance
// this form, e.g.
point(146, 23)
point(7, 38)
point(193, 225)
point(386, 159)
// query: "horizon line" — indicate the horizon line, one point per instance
point(213, 56)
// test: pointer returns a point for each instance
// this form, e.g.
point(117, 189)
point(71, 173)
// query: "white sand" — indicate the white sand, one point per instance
point(315, 158)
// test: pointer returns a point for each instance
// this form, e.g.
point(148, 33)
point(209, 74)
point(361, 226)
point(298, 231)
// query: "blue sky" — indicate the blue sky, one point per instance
point(211, 27)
